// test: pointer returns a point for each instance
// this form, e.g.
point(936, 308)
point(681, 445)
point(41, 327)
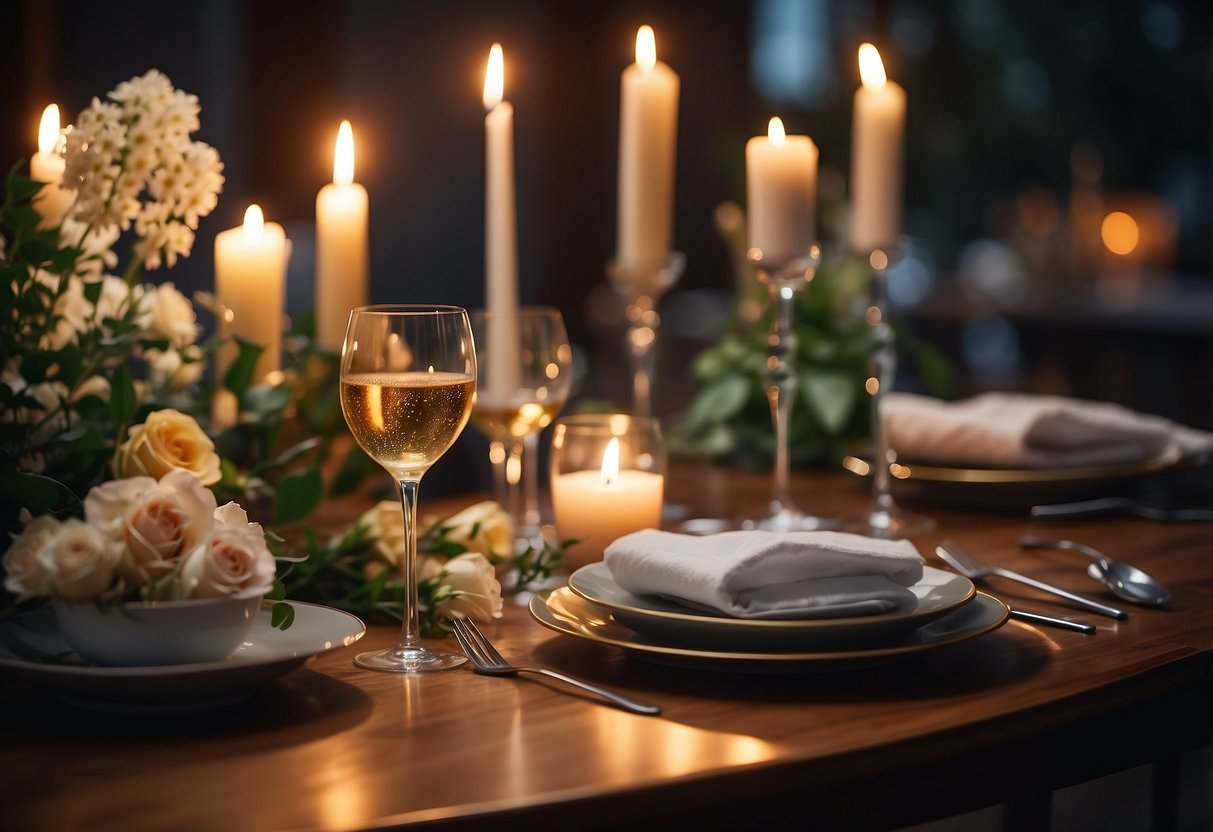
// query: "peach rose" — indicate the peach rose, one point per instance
point(81, 561)
point(166, 441)
point(233, 563)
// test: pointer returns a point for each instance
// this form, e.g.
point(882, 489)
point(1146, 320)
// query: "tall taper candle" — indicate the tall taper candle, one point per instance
point(876, 156)
point(501, 378)
point(648, 130)
point(341, 245)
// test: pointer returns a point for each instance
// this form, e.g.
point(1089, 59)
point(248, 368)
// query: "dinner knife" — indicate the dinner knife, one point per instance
point(1053, 621)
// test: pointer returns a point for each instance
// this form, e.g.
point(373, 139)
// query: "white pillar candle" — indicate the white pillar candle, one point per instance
point(597, 507)
point(341, 245)
point(648, 131)
point(876, 156)
point(781, 191)
point(250, 284)
point(52, 202)
point(502, 376)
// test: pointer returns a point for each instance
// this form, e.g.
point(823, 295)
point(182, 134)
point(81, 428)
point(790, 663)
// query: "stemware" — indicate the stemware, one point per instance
point(785, 279)
point(884, 518)
point(642, 285)
point(519, 392)
point(408, 378)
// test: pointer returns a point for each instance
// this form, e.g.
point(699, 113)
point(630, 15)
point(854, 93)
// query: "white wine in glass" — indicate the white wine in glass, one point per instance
point(408, 379)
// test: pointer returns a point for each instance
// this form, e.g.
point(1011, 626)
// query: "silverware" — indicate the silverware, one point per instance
point(967, 565)
point(1054, 621)
point(1121, 579)
point(486, 660)
point(1111, 505)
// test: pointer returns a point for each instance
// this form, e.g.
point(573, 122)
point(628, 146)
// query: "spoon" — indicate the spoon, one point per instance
point(1121, 579)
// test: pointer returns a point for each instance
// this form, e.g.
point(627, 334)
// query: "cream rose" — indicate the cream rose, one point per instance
point(478, 592)
point(385, 522)
point(233, 563)
point(484, 527)
point(166, 441)
point(81, 561)
point(171, 316)
point(24, 573)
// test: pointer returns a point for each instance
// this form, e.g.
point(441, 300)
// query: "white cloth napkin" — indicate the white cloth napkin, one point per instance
point(757, 574)
point(1019, 430)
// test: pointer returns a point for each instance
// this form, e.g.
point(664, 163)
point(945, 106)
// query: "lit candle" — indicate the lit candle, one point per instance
point(250, 283)
point(648, 128)
point(781, 189)
point(596, 507)
point(341, 245)
point(502, 375)
point(876, 156)
point(52, 202)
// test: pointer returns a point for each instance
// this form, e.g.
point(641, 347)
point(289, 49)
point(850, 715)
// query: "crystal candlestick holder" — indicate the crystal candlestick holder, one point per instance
point(642, 284)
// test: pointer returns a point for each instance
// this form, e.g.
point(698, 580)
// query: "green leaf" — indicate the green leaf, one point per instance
point(22, 218)
point(240, 374)
point(831, 396)
point(936, 369)
point(297, 496)
point(282, 615)
point(123, 398)
point(354, 468)
point(35, 492)
point(718, 403)
point(266, 401)
point(21, 188)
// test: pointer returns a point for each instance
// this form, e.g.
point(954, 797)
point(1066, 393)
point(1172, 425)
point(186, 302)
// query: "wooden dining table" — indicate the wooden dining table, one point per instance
point(1003, 719)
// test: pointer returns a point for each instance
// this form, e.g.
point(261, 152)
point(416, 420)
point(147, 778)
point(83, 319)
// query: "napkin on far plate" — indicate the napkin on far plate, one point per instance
point(756, 574)
point(1020, 430)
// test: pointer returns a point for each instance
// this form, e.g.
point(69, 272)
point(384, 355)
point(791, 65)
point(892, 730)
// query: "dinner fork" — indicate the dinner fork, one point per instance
point(486, 660)
point(971, 568)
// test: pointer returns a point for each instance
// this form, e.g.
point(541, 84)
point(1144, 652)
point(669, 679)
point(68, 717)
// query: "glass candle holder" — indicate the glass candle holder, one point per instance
point(607, 480)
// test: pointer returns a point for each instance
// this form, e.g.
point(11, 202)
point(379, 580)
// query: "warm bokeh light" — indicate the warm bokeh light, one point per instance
point(48, 129)
point(1120, 233)
point(646, 48)
point(343, 155)
point(254, 224)
point(871, 68)
point(494, 77)
point(775, 131)
point(610, 461)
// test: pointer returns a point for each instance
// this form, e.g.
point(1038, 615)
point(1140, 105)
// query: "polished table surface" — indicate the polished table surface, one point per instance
point(999, 719)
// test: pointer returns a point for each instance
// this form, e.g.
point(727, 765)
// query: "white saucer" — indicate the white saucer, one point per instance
point(938, 592)
point(566, 612)
point(32, 648)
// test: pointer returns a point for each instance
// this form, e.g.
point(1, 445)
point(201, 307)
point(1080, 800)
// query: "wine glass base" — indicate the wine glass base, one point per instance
point(889, 524)
point(789, 519)
point(416, 659)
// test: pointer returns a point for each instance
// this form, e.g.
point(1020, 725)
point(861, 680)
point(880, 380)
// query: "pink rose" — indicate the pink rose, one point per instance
point(234, 562)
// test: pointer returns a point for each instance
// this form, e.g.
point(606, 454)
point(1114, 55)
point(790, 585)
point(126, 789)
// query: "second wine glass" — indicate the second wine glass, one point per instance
point(408, 378)
point(525, 376)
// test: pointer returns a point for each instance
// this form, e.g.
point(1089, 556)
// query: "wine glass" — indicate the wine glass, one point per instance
point(525, 367)
point(408, 378)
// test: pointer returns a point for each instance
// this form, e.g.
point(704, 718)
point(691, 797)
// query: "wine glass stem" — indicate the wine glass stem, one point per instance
point(781, 384)
point(642, 335)
point(882, 366)
point(410, 632)
point(530, 483)
point(514, 481)
point(497, 458)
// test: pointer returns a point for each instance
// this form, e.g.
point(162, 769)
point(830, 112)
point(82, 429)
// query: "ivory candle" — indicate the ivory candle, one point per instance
point(52, 202)
point(781, 190)
point(502, 375)
point(341, 245)
point(648, 129)
point(876, 156)
point(597, 507)
point(250, 283)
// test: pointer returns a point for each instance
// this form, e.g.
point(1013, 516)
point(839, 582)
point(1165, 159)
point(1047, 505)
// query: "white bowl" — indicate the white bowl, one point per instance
point(143, 633)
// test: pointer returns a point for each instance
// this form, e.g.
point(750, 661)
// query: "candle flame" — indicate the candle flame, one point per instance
point(871, 68)
point(494, 77)
point(48, 129)
point(610, 462)
point(646, 49)
point(775, 131)
point(343, 155)
point(254, 224)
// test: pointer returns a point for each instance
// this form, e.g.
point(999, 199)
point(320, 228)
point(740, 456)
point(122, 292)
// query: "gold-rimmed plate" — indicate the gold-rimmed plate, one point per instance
point(938, 593)
point(567, 612)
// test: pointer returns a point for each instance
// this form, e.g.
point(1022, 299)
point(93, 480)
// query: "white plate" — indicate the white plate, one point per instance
point(566, 612)
point(938, 592)
point(32, 648)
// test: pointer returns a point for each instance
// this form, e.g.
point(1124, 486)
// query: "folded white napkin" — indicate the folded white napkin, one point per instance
point(1019, 430)
point(756, 574)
